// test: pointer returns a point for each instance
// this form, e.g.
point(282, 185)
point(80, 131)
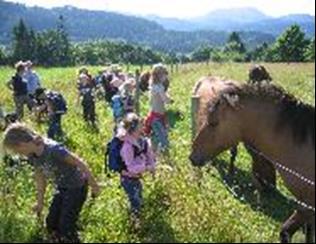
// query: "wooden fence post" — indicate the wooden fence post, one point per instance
point(137, 94)
point(195, 104)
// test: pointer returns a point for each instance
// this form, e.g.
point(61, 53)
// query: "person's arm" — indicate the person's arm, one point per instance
point(9, 84)
point(41, 184)
point(37, 79)
point(151, 161)
point(79, 94)
point(165, 97)
point(76, 161)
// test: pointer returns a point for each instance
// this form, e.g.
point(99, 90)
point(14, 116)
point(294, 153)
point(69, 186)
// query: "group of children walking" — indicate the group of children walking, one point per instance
point(130, 153)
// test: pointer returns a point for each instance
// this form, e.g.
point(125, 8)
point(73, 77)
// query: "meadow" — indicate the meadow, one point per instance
point(182, 205)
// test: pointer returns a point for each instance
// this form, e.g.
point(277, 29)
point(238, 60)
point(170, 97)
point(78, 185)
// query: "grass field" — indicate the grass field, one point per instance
point(179, 206)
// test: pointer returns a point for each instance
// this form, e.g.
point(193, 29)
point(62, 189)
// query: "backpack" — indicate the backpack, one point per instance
point(113, 159)
point(117, 107)
point(129, 103)
point(58, 101)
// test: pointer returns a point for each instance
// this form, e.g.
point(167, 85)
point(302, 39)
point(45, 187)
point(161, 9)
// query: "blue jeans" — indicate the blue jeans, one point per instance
point(159, 135)
point(54, 128)
point(89, 110)
point(133, 188)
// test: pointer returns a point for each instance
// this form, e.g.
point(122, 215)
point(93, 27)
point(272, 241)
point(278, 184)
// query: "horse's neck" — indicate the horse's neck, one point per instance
point(259, 129)
point(295, 163)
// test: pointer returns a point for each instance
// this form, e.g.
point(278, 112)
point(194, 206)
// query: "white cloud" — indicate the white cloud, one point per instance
point(182, 8)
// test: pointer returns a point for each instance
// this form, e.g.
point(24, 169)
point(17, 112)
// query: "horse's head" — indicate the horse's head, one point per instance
point(220, 131)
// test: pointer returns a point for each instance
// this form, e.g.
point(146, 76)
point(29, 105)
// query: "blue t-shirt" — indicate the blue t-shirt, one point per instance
point(52, 163)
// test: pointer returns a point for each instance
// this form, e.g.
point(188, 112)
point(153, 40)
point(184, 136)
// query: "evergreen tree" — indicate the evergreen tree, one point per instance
point(291, 45)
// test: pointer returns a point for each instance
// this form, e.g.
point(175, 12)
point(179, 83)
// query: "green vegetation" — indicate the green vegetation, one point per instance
point(179, 206)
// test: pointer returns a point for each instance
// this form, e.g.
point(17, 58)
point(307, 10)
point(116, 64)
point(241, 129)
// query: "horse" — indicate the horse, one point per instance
point(278, 125)
point(263, 172)
point(258, 73)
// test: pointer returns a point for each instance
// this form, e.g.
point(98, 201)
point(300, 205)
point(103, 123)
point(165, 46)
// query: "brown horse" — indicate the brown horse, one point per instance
point(258, 73)
point(263, 172)
point(276, 124)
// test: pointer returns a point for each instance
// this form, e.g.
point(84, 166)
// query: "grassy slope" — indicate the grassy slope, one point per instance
point(177, 208)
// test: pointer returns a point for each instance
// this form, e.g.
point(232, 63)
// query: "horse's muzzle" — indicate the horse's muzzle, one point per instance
point(197, 160)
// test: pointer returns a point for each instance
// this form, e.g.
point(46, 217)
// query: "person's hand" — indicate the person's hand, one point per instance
point(95, 190)
point(38, 209)
point(151, 169)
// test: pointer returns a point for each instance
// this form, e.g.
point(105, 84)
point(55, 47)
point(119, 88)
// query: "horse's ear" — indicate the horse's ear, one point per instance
point(214, 91)
point(231, 99)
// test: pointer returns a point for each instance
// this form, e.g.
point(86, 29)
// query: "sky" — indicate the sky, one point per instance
point(181, 8)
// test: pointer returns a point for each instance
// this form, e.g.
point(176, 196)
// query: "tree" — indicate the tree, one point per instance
point(291, 45)
point(3, 58)
point(234, 44)
point(53, 47)
point(259, 53)
point(310, 51)
point(63, 43)
point(201, 54)
point(23, 42)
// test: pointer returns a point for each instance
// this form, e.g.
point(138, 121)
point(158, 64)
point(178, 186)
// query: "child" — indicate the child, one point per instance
point(138, 157)
point(70, 175)
point(123, 102)
point(86, 91)
point(56, 106)
point(6, 120)
point(85, 71)
point(33, 81)
point(19, 86)
point(158, 99)
point(126, 92)
point(109, 90)
point(118, 77)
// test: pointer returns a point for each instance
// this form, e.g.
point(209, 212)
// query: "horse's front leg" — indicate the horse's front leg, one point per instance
point(291, 226)
point(233, 156)
point(310, 233)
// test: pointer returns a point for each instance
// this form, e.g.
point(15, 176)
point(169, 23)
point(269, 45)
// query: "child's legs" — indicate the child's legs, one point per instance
point(30, 102)
point(133, 189)
point(73, 201)
point(19, 106)
point(92, 111)
point(52, 129)
point(160, 135)
point(54, 126)
point(85, 106)
point(54, 213)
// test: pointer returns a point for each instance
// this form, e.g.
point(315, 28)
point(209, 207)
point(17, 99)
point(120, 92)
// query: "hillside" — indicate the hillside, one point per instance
point(83, 25)
point(241, 19)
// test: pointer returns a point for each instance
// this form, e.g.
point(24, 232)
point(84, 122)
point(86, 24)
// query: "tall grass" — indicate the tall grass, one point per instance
point(179, 206)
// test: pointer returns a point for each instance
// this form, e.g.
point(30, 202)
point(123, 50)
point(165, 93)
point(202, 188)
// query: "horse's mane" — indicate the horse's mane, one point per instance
point(293, 113)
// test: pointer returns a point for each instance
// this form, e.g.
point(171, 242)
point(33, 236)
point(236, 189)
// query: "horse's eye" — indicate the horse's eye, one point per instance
point(213, 124)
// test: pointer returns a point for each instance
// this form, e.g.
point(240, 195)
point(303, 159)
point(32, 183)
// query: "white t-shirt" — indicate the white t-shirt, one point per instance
point(158, 98)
